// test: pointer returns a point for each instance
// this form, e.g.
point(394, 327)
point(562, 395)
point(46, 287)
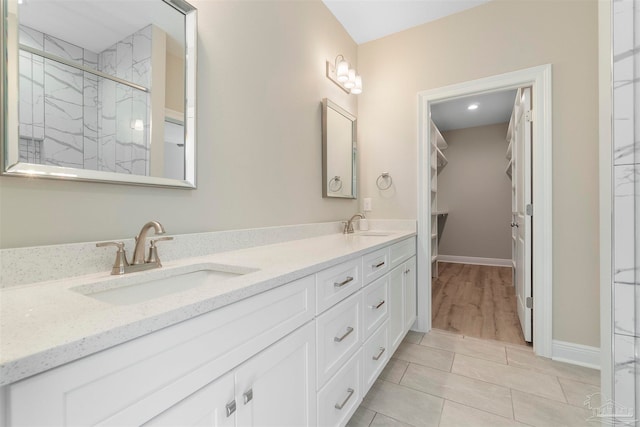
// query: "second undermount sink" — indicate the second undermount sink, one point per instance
point(124, 290)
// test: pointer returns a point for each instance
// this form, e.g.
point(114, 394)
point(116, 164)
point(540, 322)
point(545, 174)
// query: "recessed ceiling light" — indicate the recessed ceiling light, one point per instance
point(472, 107)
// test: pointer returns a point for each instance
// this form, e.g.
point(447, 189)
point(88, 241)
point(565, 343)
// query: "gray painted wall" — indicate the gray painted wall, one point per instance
point(477, 192)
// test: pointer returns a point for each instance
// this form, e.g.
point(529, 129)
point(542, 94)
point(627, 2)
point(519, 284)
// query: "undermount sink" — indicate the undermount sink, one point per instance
point(136, 288)
point(372, 233)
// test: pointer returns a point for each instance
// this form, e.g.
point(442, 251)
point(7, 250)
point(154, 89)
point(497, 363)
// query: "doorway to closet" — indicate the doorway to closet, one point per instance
point(539, 214)
point(478, 255)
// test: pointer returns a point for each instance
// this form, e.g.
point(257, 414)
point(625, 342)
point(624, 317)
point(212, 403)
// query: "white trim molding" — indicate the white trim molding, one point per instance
point(539, 78)
point(494, 262)
point(576, 354)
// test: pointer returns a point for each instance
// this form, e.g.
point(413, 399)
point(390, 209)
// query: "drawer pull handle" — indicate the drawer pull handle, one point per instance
point(378, 265)
point(344, 282)
point(375, 307)
point(344, 402)
point(379, 355)
point(339, 339)
point(231, 408)
point(247, 396)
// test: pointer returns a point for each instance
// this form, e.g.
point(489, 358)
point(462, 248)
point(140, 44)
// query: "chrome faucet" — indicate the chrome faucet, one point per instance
point(138, 263)
point(348, 225)
point(141, 240)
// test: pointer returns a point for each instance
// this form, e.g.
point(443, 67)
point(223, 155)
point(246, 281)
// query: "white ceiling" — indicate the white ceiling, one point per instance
point(492, 108)
point(99, 24)
point(367, 20)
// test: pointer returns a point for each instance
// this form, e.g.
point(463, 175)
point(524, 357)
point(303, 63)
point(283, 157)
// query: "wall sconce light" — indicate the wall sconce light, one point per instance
point(341, 73)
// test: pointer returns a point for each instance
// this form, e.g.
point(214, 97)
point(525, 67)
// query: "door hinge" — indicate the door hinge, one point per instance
point(529, 210)
point(528, 115)
point(528, 302)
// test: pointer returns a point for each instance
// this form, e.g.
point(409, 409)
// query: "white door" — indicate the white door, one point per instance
point(522, 220)
point(277, 386)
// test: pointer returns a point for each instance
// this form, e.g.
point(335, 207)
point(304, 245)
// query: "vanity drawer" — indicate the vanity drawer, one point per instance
point(402, 251)
point(339, 335)
point(375, 264)
point(133, 382)
point(340, 398)
point(336, 283)
point(376, 305)
point(375, 353)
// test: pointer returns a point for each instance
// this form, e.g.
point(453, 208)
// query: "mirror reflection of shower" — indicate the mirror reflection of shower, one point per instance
point(85, 86)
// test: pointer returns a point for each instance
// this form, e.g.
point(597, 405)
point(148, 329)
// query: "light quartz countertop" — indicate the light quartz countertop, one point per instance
point(46, 324)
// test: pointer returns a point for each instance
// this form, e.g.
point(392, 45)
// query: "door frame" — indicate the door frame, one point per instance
point(539, 78)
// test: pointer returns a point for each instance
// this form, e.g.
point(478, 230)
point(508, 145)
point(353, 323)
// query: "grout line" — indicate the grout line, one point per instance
point(372, 418)
point(562, 390)
point(406, 368)
point(513, 409)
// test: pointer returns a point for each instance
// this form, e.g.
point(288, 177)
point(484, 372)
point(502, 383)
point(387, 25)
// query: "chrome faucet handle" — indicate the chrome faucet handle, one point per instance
point(153, 250)
point(121, 257)
point(345, 229)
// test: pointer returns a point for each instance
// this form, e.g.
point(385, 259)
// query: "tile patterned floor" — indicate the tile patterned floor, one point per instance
point(441, 379)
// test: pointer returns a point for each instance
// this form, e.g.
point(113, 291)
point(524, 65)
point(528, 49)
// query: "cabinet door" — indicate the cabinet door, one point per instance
point(396, 305)
point(277, 387)
point(410, 305)
point(211, 406)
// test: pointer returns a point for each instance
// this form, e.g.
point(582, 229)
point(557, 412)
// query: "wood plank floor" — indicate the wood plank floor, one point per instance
point(476, 300)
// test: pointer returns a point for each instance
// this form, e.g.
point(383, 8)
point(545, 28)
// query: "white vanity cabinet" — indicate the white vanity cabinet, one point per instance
point(134, 382)
point(275, 387)
point(301, 354)
point(402, 291)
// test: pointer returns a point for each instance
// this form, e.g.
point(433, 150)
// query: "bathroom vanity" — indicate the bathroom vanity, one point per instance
point(298, 340)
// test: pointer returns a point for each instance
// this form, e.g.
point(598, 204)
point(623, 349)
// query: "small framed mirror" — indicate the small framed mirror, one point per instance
point(338, 151)
point(97, 90)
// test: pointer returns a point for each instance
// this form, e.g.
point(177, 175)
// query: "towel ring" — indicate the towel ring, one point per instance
point(335, 184)
point(384, 176)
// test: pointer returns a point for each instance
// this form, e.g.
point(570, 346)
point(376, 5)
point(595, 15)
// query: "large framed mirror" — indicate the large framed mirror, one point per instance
point(97, 90)
point(339, 151)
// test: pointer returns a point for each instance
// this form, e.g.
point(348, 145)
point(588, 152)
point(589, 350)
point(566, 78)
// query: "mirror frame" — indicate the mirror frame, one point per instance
point(326, 104)
point(9, 125)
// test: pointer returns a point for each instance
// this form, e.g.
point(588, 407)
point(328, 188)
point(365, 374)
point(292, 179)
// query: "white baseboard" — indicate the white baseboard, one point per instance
point(496, 262)
point(576, 354)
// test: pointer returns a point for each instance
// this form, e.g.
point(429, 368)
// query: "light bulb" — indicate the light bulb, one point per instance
point(342, 71)
point(357, 89)
point(352, 79)
point(472, 107)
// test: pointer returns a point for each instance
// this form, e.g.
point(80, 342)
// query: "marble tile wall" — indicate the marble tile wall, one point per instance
point(81, 120)
point(626, 210)
point(124, 111)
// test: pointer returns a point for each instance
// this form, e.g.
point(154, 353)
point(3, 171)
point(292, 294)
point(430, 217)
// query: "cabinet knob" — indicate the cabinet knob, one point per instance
point(247, 396)
point(344, 282)
point(339, 339)
point(379, 355)
point(231, 408)
point(344, 402)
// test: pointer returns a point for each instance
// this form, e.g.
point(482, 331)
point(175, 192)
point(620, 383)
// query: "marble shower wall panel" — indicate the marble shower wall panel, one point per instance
point(625, 224)
point(625, 377)
point(90, 113)
point(129, 59)
point(63, 114)
point(623, 82)
point(626, 208)
point(107, 126)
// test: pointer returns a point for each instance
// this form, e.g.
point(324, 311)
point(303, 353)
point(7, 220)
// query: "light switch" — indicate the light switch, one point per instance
point(366, 202)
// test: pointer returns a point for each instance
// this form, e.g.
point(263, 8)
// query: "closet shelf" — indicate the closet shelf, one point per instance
point(442, 160)
point(434, 258)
